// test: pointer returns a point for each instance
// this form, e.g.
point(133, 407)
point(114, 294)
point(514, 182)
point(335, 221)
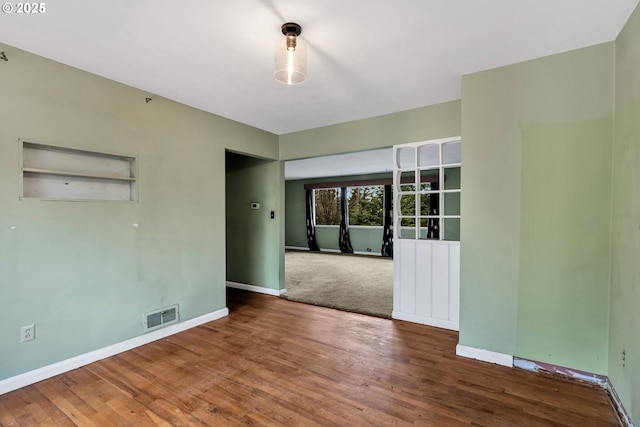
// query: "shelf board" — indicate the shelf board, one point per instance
point(76, 174)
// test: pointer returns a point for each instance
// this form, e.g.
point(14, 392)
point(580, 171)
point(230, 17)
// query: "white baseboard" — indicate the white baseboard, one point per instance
point(258, 289)
point(438, 323)
point(333, 251)
point(338, 251)
point(484, 355)
point(367, 253)
point(31, 377)
point(296, 248)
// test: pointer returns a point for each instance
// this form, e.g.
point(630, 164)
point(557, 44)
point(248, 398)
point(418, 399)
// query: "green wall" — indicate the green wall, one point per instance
point(564, 243)
point(295, 214)
point(420, 124)
point(625, 254)
point(535, 208)
point(255, 252)
point(80, 270)
point(362, 238)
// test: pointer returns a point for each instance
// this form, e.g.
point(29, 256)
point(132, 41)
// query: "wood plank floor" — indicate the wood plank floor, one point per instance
point(274, 362)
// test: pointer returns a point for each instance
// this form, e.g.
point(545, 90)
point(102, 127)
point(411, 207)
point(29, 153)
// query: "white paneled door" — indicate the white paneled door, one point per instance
point(427, 232)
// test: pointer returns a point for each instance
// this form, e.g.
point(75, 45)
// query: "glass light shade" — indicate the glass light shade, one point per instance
point(290, 65)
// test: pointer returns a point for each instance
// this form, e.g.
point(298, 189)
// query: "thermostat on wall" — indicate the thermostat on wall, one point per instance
point(255, 205)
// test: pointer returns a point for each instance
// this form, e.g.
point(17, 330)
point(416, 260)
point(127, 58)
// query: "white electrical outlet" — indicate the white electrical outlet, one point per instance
point(28, 333)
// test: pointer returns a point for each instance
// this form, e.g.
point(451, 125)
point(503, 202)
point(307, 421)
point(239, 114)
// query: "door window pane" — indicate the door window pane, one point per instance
point(429, 155)
point(451, 203)
point(408, 205)
point(451, 152)
point(452, 178)
point(408, 181)
point(407, 229)
point(406, 158)
point(451, 229)
point(429, 229)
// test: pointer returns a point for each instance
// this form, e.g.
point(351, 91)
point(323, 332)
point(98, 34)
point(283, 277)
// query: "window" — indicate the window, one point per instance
point(327, 204)
point(366, 205)
point(427, 188)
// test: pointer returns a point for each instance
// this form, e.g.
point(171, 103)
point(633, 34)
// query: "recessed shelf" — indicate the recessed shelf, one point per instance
point(83, 175)
point(60, 173)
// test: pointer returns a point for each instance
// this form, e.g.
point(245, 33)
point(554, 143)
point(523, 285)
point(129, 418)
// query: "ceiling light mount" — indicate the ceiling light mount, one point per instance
point(291, 29)
point(290, 56)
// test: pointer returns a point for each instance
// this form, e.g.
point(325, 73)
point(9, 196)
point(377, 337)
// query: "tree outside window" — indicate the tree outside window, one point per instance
point(408, 205)
point(366, 206)
point(327, 202)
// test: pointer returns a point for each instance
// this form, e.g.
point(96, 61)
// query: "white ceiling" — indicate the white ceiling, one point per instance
point(361, 163)
point(365, 57)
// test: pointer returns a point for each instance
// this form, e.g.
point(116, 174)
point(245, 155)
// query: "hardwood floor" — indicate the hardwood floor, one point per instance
point(274, 362)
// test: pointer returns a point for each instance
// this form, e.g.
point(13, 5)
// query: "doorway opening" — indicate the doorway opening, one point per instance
point(334, 232)
point(254, 223)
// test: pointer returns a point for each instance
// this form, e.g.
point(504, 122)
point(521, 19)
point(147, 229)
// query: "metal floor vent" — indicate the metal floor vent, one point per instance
point(162, 317)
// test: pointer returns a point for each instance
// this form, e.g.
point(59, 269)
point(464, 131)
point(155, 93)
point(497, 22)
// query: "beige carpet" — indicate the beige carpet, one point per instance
point(362, 284)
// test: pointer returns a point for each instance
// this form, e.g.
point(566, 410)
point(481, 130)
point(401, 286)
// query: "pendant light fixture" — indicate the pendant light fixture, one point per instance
point(291, 56)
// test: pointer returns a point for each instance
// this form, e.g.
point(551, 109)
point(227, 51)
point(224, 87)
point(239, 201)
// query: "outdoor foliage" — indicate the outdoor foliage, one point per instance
point(408, 205)
point(366, 205)
point(328, 206)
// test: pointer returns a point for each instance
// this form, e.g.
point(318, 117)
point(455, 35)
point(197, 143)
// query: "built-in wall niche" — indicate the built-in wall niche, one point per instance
point(59, 173)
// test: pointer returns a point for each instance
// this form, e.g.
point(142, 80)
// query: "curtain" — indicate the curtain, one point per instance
point(311, 223)
point(345, 241)
point(387, 231)
point(433, 226)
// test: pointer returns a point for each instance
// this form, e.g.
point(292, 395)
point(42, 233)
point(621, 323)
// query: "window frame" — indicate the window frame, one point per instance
point(402, 187)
